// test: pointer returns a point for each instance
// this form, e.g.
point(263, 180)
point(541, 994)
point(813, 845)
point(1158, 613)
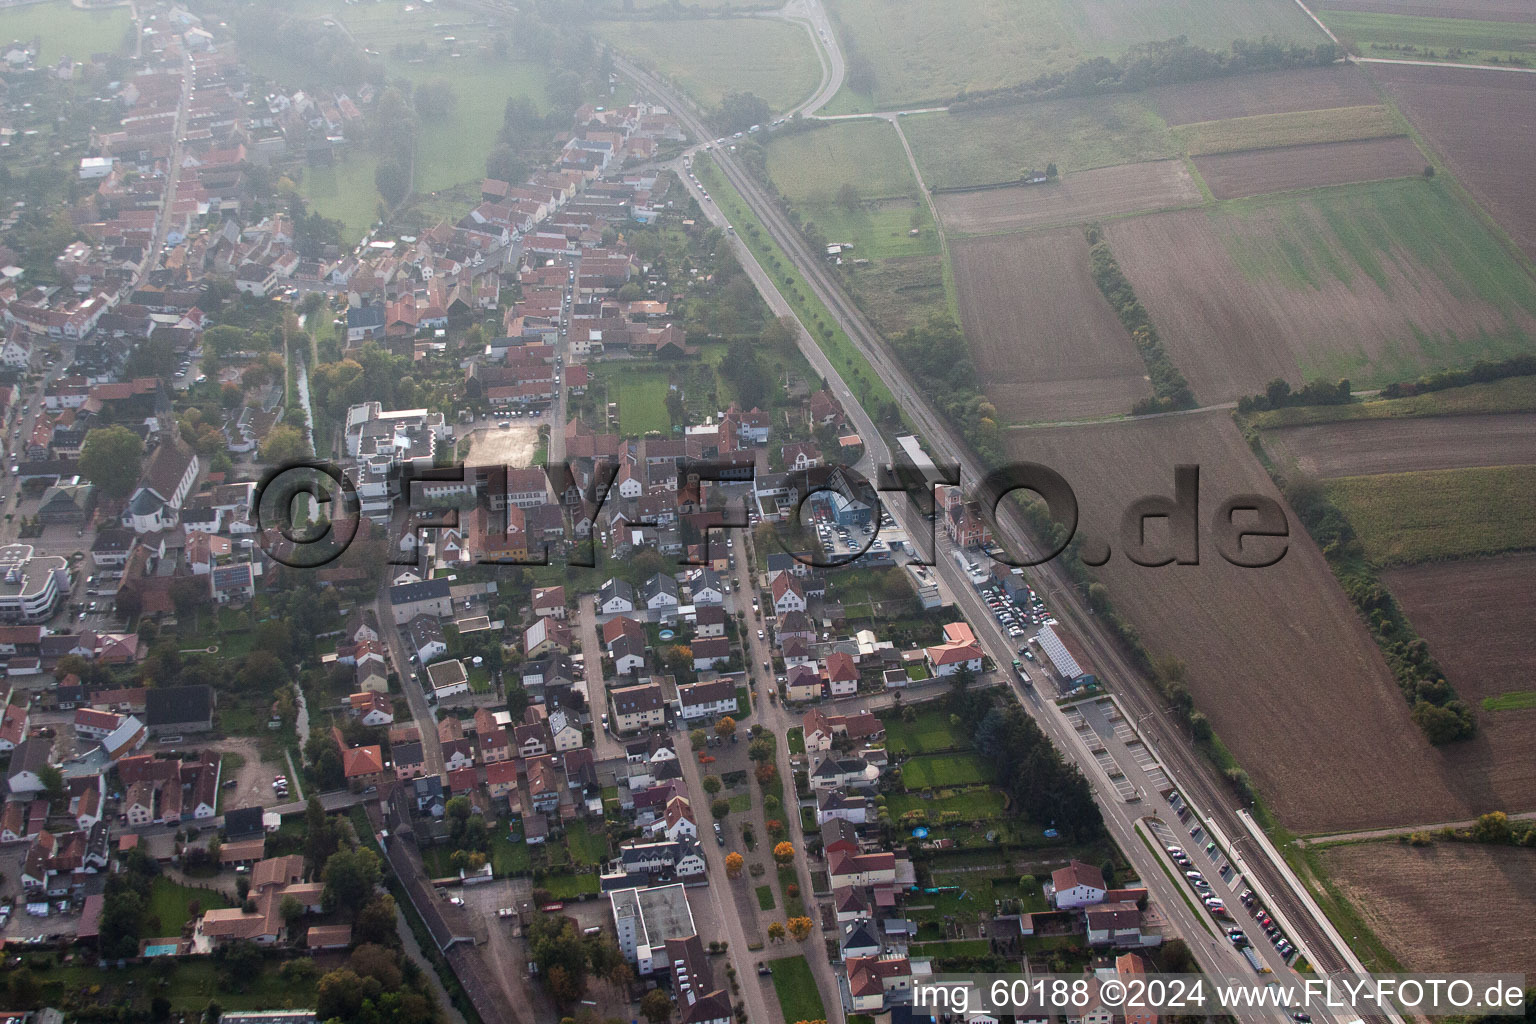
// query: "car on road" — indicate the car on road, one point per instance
point(719, 834)
point(455, 901)
point(1237, 936)
point(763, 968)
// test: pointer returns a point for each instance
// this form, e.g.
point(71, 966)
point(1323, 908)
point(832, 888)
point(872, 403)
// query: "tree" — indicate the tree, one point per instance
point(53, 782)
point(726, 727)
point(776, 931)
point(376, 921)
point(783, 853)
point(1492, 827)
point(112, 459)
point(656, 1006)
point(741, 110)
point(350, 877)
point(284, 445)
point(290, 909)
point(339, 994)
point(393, 179)
point(436, 99)
point(848, 196)
point(712, 784)
point(697, 739)
point(800, 928)
point(761, 749)
point(720, 809)
point(25, 989)
point(733, 864)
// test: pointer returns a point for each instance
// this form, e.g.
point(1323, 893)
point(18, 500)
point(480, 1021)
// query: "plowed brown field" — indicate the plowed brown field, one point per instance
point(1276, 657)
point(1269, 93)
point(1417, 901)
point(1480, 123)
point(1256, 172)
point(1047, 344)
point(1365, 447)
point(1075, 199)
point(1479, 616)
point(1274, 290)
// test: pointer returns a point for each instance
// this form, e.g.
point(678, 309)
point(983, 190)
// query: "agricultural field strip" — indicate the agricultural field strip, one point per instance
point(1407, 518)
point(1365, 447)
point(1291, 128)
point(1257, 172)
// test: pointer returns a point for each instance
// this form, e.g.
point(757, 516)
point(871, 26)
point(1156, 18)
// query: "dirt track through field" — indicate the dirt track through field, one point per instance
point(1417, 900)
point(1047, 344)
point(1075, 199)
point(1268, 93)
point(1480, 122)
point(1364, 447)
point(1276, 657)
point(1256, 172)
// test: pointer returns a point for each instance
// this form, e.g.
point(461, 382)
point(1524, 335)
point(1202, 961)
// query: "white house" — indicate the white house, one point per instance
point(1077, 885)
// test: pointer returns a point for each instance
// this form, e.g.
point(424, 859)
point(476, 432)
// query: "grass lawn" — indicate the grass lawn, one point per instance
point(641, 393)
point(833, 341)
point(66, 31)
point(565, 887)
point(765, 897)
point(509, 856)
point(345, 191)
point(193, 983)
point(980, 147)
point(740, 803)
point(451, 150)
point(888, 225)
point(1404, 36)
point(938, 770)
point(1404, 518)
point(921, 52)
point(587, 847)
point(959, 947)
point(708, 58)
point(796, 989)
point(480, 680)
point(1514, 700)
point(1290, 128)
point(811, 165)
point(1513, 394)
point(931, 730)
point(794, 906)
point(796, 740)
point(971, 805)
point(171, 904)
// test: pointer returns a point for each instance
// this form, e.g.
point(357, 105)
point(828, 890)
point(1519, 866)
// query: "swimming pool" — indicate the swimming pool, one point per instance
point(166, 949)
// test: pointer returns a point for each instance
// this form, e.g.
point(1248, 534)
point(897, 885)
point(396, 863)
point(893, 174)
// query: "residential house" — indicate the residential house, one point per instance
point(638, 707)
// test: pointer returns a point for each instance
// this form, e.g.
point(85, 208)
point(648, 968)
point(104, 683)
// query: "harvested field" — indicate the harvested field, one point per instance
point(1267, 93)
point(1362, 447)
point(1416, 901)
point(1465, 116)
point(1465, 40)
point(1276, 657)
point(1074, 199)
point(1406, 518)
point(1288, 128)
point(1235, 175)
point(1481, 10)
point(1044, 339)
point(1479, 616)
point(1375, 283)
